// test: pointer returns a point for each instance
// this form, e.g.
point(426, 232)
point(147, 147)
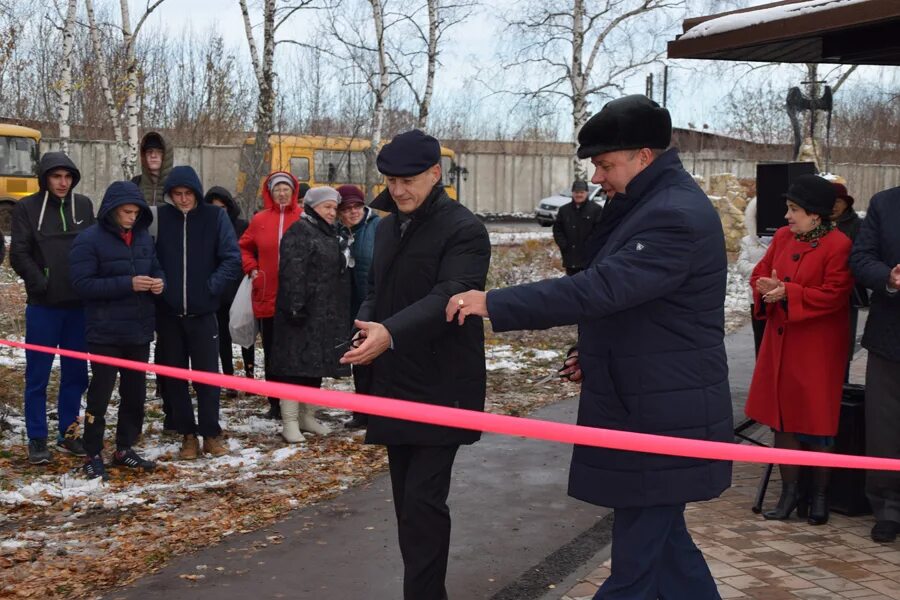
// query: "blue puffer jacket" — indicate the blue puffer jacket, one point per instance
point(202, 241)
point(362, 250)
point(650, 311)
point(876, 251)
point(102, 265)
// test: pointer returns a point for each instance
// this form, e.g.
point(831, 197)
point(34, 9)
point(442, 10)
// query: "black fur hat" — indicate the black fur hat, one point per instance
point(627, 123)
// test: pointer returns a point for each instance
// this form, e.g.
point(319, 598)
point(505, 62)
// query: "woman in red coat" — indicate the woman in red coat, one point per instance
point(259, 255)
point(802, 288)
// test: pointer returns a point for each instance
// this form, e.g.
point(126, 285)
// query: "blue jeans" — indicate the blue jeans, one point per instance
point(653, 556)
point(57, 328)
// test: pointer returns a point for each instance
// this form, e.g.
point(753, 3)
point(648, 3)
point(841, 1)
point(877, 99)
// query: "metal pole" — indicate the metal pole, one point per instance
point(665, 85)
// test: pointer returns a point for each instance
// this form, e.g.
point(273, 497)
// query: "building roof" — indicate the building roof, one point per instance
point(797, 31)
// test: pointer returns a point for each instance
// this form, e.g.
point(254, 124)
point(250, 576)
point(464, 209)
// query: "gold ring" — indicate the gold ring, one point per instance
point(461, 302)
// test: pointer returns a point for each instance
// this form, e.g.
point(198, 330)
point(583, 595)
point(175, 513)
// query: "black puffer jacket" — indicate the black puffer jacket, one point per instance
point(444, 250)
point(240, 226)
point(43, 229)
point(312, 309)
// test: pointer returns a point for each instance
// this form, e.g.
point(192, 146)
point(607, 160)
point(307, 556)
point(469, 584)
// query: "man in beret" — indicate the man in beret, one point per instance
point(426, 250)
point(575, 223)
point(651, 352)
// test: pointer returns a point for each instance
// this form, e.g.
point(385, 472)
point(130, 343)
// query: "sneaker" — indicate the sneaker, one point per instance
point(190, 448)
point(38, 454)
point(93, 468)
point(213, 445)
point(131, 459)
point(71, 445)
point(885, 532)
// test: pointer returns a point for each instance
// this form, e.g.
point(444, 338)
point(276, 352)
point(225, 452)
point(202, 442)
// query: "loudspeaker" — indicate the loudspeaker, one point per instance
point(772, 180)
point(847, 491)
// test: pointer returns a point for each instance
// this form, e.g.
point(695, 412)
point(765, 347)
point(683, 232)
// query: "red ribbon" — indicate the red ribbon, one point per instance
point(487, 422)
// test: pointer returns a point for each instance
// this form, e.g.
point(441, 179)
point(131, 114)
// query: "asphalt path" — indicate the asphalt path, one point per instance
point(515, 532)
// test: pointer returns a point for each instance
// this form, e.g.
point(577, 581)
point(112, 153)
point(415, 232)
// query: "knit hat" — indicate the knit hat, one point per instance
point(320, 194)
point(627, 123)
point(152, 141)
point(304, 187)
point(277, 178)
point(840, 192)
point(812, 193)
point(350, 195)
point(579, 186)
point(408, 154)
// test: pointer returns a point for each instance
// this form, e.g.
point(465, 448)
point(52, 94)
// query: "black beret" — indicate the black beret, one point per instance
point(813, 194)
point(408, 154)
point(627, 123)
point(579, 185)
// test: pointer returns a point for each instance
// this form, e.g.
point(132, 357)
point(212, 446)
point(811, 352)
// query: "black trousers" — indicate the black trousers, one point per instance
point(420, 478)
point(132, 393)
point(225, 349)
point(882, 424)
point(183, 342)
point(653, 556)
point(267, 329)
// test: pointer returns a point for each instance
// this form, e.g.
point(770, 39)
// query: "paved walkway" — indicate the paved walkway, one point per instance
point(754, 558)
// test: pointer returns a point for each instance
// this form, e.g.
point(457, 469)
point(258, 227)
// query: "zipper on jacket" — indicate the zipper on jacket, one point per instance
point(62, 215)
point(184, 265)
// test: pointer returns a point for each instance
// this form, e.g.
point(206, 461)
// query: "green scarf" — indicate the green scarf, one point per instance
point(810, 236)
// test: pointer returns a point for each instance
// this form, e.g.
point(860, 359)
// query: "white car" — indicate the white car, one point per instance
point(545, 213)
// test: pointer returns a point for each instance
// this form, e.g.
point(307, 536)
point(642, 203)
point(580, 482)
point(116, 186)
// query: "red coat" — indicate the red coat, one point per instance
point(799, 373)
point(260, 243)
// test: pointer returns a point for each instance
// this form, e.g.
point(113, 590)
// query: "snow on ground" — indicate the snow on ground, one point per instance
point(507, 238)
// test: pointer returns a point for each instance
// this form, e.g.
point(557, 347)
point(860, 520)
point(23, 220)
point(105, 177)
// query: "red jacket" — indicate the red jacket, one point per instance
point(260, 243)
point(799, 373)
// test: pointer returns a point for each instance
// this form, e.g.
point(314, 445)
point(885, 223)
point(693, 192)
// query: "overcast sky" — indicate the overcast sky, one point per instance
point(696, 90)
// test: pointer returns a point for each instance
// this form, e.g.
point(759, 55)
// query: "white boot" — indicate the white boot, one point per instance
point(308, 420)
point(290, 429)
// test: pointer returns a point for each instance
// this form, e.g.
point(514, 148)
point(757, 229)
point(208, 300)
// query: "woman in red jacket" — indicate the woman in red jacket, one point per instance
point(259, 254)
point(802, 288)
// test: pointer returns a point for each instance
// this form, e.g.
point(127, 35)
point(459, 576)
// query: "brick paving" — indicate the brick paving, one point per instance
point(774, 560)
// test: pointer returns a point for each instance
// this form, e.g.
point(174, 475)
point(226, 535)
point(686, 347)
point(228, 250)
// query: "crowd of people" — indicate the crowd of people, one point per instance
point(161, 263)
point(400, 301)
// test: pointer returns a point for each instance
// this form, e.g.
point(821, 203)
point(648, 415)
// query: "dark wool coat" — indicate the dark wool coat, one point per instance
point(650, 311)
point(799, 374)
point(876, 251)
point(201, 241)
point(312, 309)
point(573, 226)
point(43, 229)
point(444, 250)
point(102, 266)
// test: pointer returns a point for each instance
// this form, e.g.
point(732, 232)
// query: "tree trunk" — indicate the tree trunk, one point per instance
point(578, 80)
point(254, 161)
point(65, 83)
point(425, 104)
point(131, 99)
point(380, 90)
point(104, 85)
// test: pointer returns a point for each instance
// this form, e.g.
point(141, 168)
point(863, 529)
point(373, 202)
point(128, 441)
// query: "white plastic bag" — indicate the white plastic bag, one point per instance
point(241, 322)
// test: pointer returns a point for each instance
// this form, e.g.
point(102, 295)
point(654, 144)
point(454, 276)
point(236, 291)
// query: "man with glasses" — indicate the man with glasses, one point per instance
point(651, 352)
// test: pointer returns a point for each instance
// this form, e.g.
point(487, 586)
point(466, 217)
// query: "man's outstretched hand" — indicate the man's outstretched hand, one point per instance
point(372, 339)
point(468, 303)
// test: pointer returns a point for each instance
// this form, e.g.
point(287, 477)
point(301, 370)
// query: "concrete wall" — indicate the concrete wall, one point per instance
point(496, 183)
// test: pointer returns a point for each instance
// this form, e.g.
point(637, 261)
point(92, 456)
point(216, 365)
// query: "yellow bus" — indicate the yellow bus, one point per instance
point(331, 160)
point(19, 153)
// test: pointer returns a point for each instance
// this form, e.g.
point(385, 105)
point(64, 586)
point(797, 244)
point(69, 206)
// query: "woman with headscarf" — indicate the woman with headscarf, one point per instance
point(312, 310)
point(802, 288)
point(260, 257)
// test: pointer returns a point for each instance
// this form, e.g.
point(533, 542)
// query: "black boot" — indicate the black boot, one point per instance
point(787, 502)
point(274, 409)
point(818, 509)
point(804, 484)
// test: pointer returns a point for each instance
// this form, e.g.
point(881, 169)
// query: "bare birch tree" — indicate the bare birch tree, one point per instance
point(65, 80)
point(112, 111)
point(582, 49)
point(129, 40)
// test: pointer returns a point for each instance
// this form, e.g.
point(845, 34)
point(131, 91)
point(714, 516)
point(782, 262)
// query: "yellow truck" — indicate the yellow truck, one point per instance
point(330, 160)
point(19, 153)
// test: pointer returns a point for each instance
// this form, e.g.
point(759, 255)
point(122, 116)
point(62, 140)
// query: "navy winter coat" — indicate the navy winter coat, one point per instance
point(876, 251)
point(201, 240)
point(650, 310)
point(102, 265)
